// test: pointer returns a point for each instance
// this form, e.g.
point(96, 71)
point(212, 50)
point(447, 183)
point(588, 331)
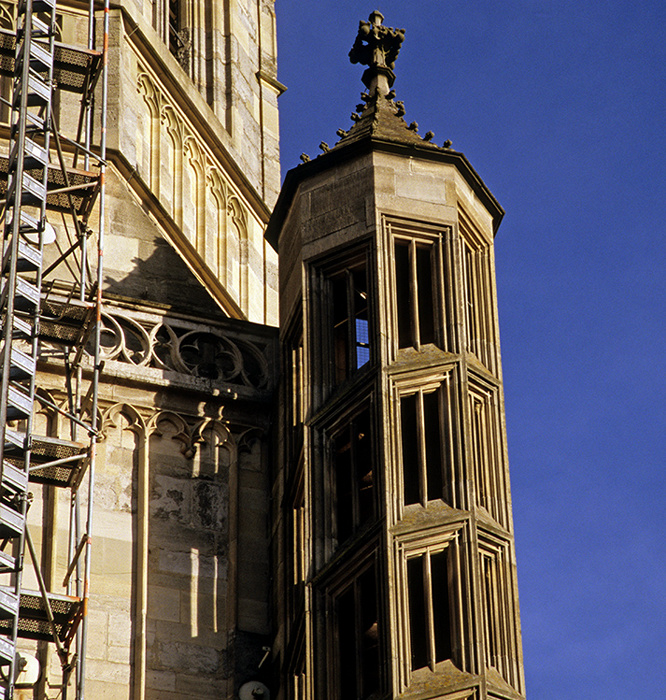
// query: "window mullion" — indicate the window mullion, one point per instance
point(353, 458)
point(295, 554)
point(493, 612)
point(478, 350)
point(469, 296)
point(294, 388)
point(420, 433)
point(439, 276)
point(351, 321)
point(443, 445)
point(300, 384)
point(476, 451)
point(484, 456)
point(414, 285)
point(358, 624)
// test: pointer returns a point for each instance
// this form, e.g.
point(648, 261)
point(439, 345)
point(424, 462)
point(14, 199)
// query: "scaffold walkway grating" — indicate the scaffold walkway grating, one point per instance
point(83, 188)
point(33, 617)
point(75, 69)
point(52, 461)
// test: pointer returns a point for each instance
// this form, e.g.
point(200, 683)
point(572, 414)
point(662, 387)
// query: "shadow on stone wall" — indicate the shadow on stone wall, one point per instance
point(161, 277)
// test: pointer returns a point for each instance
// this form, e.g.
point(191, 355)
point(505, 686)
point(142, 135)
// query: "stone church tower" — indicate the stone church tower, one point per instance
point(195, 503)
point(398, 568)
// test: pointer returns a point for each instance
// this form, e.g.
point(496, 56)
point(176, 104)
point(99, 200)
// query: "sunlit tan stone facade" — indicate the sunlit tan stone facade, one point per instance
point(180, 574)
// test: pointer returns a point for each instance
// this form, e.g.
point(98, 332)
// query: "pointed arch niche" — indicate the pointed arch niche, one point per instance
point(209, 217)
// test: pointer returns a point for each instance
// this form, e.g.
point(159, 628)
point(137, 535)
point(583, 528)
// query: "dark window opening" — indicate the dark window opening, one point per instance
point(370, 633)
point(433, 444)
point(426, 301)
point(423, 432)
point(344, 488)
point(353, 460)
point(490, 610)
point(298, 550)
point(415, 265)
point(418, 620)
point(351, 333)
point(429, 615)
point(440, 606)
point(347, 653)
point(179, 37)
point(403, 294)
point(358, 639)
point(174, 27)
point(410, 450)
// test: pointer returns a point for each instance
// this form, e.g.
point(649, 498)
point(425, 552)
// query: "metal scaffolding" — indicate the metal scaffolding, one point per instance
point(52, 187)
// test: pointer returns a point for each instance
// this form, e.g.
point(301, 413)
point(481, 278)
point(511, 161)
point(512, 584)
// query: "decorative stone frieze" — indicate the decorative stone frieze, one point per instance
point(185, 347)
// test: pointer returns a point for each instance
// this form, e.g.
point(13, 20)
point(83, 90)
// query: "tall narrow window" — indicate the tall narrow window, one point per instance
point(498, 608)
point(297, 668)
point(416, 298)
point(174, 27)
point(296, 525)
point(354, 476)
point(358, 639)
point(486, 451)
point(478, 294)
point(429, 614)
point(425, 432)
point(294, 390)
point(490, 609)
point(179, 37)
point(350, 320)
point(299, 683)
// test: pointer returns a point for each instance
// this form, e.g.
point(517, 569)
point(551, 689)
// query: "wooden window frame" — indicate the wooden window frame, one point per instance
point(444, 538)
point(337, 366)
point(431, 633)
point(348, 346)
point(443, 386)
point(349, 423)
point(353, 581)
point(416, 236)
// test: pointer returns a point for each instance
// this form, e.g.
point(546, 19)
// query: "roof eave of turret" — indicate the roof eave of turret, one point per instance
point(347, 151)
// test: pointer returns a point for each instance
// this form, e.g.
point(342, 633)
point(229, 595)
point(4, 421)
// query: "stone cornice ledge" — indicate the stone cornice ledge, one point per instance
point(272, 81)
point(365, 146)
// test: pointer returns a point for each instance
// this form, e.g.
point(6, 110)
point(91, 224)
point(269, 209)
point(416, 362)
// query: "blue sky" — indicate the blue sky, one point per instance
point(561, 108)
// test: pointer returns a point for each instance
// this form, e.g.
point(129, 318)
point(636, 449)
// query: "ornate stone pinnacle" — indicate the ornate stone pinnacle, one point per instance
point(377, 47)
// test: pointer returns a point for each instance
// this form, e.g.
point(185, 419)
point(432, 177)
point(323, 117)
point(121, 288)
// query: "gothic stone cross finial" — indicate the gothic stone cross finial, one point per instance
point(377, 47)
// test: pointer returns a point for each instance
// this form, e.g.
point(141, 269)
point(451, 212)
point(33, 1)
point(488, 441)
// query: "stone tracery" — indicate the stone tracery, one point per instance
point(200, 352)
